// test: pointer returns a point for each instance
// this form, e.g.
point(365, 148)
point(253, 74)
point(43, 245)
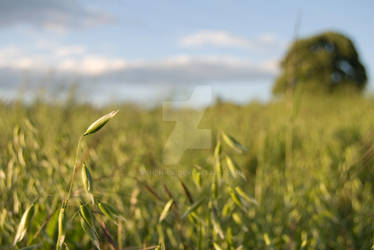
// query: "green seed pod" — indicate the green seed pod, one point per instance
point(235, 198)
point(216, 246)
point(267, 239)
point(218, 150)
point(192, 217)
point(217, 227)
point(232, 143)
point(61, 228)
point(192, 208)
point(87, 179)
point(87, 215)
point(99, 123)
point(232, 166)
point(229, 237)
point(196, 176)
point(218, 168)
point(166, 210)
point(236, 217)
point(108, 211)
point(227, 209)
point(87, 228)
point(245, 196)
point(24, 224)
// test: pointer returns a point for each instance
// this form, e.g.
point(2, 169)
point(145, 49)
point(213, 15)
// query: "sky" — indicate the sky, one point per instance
point(151, 51)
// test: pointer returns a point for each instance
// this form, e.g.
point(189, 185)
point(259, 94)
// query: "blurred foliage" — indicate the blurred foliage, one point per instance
point(308, 168)
point(327, 62)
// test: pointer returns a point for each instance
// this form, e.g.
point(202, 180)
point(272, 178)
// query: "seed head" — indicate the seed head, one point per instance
point(99, 123)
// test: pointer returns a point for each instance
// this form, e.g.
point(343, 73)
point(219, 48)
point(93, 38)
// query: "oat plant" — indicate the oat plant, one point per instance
point(87, 218)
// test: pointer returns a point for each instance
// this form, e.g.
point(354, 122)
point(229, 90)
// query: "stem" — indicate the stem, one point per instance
point(73, 174)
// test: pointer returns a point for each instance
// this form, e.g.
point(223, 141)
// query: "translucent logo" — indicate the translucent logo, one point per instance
point(186, 134)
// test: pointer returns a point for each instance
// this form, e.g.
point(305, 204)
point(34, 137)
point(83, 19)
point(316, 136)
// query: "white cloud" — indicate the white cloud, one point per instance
point(58, 50)
point(14, 58)
point(218, 38)
point(73, 61)
point(62, 59)
point(64, 51)
point(215, 38)
point(91, 65)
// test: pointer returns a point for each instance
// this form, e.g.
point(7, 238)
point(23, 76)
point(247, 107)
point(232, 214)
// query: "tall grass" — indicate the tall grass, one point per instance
point(277, 177)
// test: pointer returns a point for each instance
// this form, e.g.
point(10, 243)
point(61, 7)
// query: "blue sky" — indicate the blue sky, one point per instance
point(147, 51)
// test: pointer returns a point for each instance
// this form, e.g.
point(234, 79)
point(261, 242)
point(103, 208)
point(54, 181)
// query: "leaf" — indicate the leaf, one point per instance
point(166, 210)
point(52, 226)
point(99, 123)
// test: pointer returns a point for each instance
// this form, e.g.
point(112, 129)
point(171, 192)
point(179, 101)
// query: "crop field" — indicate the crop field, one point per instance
point(288, 174)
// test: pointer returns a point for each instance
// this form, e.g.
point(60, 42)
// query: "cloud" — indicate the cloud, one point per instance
point(61, 59)
point(223, 39)
point(50, 14)
point(189, 70)
point(215, 38)
point(15, 59)
point(69, 62)
point(64, 51)
point(91, 65)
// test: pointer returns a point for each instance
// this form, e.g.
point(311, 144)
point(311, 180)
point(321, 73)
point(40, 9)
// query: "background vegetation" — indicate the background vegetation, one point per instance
point(327, 62)
point(306, 181)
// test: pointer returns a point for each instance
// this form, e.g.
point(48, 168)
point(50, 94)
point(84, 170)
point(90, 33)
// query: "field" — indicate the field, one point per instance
point(306, 180)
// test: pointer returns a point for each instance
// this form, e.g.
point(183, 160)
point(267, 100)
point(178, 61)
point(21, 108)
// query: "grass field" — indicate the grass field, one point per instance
point(305, 182)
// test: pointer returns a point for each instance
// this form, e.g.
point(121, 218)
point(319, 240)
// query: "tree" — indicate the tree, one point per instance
point(323, 63)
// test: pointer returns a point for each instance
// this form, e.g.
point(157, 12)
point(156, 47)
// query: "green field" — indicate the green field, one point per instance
point(306, 181)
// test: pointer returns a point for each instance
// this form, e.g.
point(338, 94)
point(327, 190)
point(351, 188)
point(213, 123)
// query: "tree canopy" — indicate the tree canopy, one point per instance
point(325, 62)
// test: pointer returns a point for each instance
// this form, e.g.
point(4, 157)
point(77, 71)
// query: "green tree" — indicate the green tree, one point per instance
point(322, 63)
